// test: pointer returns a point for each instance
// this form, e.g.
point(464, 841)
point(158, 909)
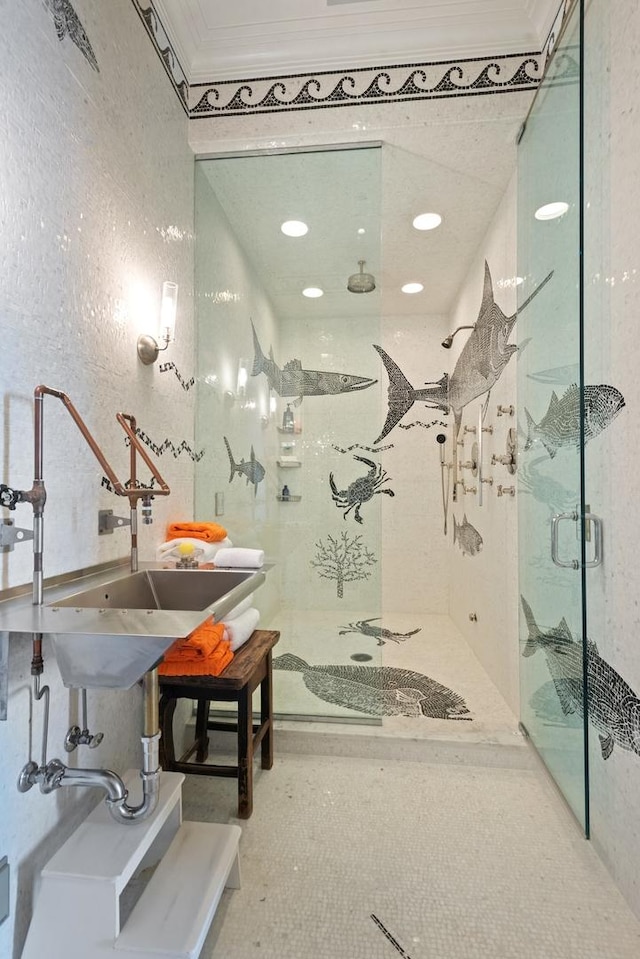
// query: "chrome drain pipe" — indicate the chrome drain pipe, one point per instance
point(54, 774)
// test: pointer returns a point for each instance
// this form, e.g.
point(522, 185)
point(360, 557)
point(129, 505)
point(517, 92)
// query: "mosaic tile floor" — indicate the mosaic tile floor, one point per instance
point(454, 861)
point(438, 651)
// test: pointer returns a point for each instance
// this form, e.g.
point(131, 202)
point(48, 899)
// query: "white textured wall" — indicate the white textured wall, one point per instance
point(96, 211)
point(612, 306)
point(487, 584)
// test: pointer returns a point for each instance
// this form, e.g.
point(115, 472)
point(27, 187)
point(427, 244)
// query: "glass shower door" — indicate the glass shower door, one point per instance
point(553, 667)
point(290, 403)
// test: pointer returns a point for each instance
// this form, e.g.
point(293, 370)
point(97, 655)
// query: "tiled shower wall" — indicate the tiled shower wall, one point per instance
point(485, 585)
point(96, 211)
point(414, 135)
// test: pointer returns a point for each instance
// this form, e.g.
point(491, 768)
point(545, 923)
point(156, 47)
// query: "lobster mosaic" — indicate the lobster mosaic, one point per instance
point(380, 633)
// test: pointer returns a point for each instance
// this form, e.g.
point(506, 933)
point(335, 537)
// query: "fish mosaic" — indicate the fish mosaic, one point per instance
point(67, 23)
point(546, 489)
point(613, 707)
point(293, 380)
point(383, 635)
point(478, 368)
point(252, 470)
point(467, 537)
point(560, 425)
point(378, 690)
point(361, 490)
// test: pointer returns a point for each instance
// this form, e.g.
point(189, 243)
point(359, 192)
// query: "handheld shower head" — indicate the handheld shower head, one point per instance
point(441, 439)
point(446, 343)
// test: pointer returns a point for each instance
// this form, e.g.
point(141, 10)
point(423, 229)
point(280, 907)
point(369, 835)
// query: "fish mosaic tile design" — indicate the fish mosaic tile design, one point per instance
point(560, 425)
point(293, 380)
point(481, 363)
point(467, 537)
point(361, 490)
point(343, 559)
point(378, 690)
point(252, 469)
point(613, 707)
point(383, 635)
point(67, 23)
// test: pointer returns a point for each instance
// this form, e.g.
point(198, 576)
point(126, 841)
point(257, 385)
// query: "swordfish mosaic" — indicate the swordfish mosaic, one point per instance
point(614, 708)
point(293, 380)
point(479, 366)
point(378, 690)
point(67, 23)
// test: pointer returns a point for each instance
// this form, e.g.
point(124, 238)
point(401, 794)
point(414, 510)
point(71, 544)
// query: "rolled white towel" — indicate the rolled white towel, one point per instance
point(239, 630)
point(239, 609)
point(240, 558)
point(209, 550)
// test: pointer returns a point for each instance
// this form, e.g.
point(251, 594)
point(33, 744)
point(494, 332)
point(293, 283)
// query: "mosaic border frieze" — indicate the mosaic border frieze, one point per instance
point(367, 86)
point(361, 86)
point(160, 40)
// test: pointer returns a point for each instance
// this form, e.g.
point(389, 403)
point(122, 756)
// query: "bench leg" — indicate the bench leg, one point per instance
point(202, 740)
point(245, 753)
point(266, 715)
point(167, 708)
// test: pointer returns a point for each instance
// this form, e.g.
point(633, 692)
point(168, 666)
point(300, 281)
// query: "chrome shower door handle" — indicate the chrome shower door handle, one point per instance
point(555, 527)
point(574, 516)
point(597, 540)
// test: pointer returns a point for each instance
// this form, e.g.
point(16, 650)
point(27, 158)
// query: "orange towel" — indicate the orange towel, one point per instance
point(204, 652)
point(209, 532)
point(198, 645)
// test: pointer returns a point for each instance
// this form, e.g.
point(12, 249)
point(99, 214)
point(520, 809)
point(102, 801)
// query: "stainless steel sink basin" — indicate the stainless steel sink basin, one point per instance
point(108, 636)
point(177, 589)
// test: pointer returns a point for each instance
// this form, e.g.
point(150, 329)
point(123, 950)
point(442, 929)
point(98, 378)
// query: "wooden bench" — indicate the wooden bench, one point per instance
point(250, 668)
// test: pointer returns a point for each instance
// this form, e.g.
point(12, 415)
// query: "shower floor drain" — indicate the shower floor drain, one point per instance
point(361, 657)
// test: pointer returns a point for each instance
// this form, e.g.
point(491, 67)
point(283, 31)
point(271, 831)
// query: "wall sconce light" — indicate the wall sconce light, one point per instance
point(148, 348)
point(243, 376)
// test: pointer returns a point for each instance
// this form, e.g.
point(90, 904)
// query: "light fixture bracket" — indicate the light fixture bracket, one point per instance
point(148, 349)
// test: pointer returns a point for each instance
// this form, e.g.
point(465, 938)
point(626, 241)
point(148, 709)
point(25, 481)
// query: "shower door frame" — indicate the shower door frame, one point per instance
point(574, 21)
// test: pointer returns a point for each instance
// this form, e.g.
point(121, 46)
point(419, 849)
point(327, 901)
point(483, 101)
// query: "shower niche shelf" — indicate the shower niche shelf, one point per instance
point(286, 465)
point(288, 499)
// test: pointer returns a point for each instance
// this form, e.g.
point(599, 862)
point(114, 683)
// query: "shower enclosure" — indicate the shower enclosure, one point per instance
point(289, 404)
point(559, 540)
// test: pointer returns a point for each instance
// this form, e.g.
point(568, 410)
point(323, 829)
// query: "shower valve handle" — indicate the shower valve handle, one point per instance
point(9, 498)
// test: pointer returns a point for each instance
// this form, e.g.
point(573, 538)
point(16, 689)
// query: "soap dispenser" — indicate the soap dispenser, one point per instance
point(287, 420)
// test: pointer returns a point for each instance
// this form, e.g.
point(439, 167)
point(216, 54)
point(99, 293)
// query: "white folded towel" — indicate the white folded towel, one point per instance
point(240, 558)
point(209, 550)
point(239, 630)
point(239, 609)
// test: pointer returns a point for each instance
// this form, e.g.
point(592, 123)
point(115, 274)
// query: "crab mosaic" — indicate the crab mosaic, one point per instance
point(361, 490)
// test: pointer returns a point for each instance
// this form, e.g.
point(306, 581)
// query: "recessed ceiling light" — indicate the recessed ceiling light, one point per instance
point(361, 230)
point(413, 288)
point(551, 211)
point(294, 228)
point(427, 221)
point(313, 292)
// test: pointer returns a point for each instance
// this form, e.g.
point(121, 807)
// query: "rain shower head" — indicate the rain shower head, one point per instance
point(361, 282)
point(446, 343)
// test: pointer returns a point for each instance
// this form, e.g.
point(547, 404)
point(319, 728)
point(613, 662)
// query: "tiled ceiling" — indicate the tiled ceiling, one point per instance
point(233, 39)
